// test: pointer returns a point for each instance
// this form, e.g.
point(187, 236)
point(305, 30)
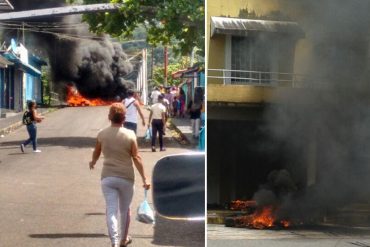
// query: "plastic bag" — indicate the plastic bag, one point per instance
point(144, 213)
point(148, 134)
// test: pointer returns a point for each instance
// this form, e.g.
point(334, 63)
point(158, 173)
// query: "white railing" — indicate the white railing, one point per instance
point(259, 78)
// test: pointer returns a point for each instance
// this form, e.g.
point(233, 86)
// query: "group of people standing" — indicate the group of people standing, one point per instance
point(174, 101)
point(173, 98)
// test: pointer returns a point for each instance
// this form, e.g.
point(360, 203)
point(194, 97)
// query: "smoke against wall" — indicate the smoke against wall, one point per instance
point(325, 127)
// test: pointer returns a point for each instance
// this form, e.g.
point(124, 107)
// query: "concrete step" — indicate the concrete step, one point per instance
point(218, 216)
point(351, 215)
point(5, 113)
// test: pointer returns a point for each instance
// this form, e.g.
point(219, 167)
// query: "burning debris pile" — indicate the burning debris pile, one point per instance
point(96, 65)
point(264, 210)
point(240, 205)
point(98, 69)
point(74, 98)
point(262, 218)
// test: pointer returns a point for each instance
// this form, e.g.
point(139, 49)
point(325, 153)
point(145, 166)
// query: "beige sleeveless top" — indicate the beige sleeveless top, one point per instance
point(116, 143)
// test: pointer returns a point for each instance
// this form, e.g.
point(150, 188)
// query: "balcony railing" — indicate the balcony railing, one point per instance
point(258, 78)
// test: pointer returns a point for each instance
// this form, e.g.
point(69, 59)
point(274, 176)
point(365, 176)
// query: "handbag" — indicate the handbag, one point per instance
point(144, 212)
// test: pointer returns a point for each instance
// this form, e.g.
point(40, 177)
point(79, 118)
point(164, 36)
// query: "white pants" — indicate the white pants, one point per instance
point(195, 127)
point(118, 193)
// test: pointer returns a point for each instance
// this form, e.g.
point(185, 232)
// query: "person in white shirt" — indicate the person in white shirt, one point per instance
point(157, 119)
point(166, 103)
point(154, 95)
point(132, 108)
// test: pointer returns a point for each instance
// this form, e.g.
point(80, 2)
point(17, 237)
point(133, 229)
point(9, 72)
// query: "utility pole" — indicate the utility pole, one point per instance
point(152, 65)
point(165, 65)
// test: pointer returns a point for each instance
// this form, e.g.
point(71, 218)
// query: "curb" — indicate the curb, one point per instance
point(19, 124)
point(10, 128)
point(182, 138)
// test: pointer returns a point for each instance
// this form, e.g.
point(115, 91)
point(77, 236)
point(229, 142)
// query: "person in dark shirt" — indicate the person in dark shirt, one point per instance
point(194, 109)
point(175, 106)
point(31, 127)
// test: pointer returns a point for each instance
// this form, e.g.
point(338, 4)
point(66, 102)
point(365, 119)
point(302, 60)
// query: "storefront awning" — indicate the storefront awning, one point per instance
point(27, 68)
point(4, 63)
point(185, 73)
point(242, 27)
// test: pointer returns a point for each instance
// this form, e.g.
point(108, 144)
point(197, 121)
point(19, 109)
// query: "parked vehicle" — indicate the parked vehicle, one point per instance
point(179, 186)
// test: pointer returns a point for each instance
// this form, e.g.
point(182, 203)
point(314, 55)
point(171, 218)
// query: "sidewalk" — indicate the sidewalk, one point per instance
point(183, 126)
point(9, 124)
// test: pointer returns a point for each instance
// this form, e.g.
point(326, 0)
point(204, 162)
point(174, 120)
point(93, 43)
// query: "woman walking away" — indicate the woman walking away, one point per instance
point(120, 151)
point(195, 108)
point(157, 119)
point(30, 118)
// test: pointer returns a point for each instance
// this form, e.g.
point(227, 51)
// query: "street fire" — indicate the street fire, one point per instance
point(242, 205)
point(74, 98)
point(261, 218)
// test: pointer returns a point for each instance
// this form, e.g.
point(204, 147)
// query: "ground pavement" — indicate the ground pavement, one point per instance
point(53, 199)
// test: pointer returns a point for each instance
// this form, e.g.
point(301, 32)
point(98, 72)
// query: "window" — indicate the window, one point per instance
point(251, 59)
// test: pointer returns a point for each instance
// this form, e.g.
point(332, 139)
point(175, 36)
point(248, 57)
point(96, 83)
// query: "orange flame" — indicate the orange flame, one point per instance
point(262, 218)
point(74, 98)
point(285, 223)
point(242, 205)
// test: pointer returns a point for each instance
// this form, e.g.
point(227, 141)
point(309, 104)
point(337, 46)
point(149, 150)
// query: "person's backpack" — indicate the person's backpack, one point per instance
point(26, 119)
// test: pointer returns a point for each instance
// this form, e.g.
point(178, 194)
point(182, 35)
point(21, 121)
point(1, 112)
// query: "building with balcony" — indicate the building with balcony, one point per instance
point(251, 66)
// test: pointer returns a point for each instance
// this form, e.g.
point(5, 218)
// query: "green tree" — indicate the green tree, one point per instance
point(158, 72)
point(182, 20)
point(46, 88)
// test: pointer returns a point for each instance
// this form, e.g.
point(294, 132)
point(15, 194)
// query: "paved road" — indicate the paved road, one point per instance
point(53, 199)
point(319, 236)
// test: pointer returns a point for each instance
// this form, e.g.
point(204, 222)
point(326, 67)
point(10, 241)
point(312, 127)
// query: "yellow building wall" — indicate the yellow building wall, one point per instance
point(235, 93)
point(217, 59)
point(249, 94)
point(230, 8)
point(215, 55)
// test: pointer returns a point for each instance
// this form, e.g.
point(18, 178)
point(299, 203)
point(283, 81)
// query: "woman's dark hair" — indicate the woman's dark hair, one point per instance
point(30, 103)
point(130, 92)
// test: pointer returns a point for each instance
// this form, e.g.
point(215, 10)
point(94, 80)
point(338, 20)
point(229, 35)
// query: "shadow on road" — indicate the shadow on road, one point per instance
point(80, 142)
point(167, 142)
point(72, 142)
point(178, 232)
point(94, 214)
point(68, 235)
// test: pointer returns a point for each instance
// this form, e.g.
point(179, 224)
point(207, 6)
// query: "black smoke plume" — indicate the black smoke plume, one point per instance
point(325, 126)
point(98, 68)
